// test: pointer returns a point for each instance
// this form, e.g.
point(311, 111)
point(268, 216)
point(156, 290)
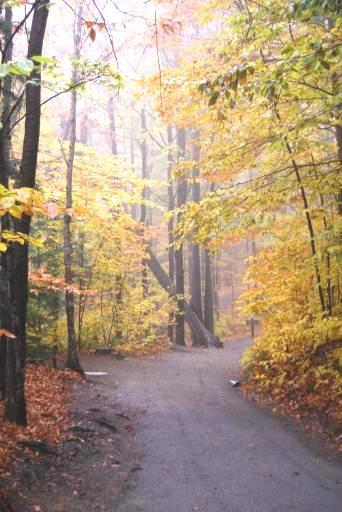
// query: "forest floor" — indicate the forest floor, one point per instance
point(169, 433)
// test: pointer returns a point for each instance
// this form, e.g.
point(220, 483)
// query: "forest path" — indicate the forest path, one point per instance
point(206, 448)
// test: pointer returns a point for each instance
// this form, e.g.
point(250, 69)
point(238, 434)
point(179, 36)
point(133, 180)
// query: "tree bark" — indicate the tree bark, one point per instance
point(112, 126)
point(143, 208)
point(118, 275)
point(170, 224)
point(336, 83)
point(209, 319)
point(134, 207)
point(338, 135)
point(310, 229)
point(84, 136)
point(72, 357)
point(190, 316)
point(84, 130)
point(16, 408)
point(195, 259)
point(179, 256)
point(5, 167)
point(309, 222)
point(216, 285)
point(208, 293)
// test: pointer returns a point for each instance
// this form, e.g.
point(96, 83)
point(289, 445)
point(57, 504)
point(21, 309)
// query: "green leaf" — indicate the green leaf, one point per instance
point(43, 60)
point(22, 67)
point(213, 98)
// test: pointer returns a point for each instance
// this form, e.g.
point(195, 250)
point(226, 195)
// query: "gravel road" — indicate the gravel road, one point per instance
point(208, 449)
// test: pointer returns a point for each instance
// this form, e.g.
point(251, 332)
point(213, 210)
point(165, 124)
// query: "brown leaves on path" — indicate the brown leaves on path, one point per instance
point(48, 393)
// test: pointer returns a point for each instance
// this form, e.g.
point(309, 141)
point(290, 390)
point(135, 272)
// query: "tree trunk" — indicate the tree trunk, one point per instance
point(309, 223)
point(16, 405)
point(179, 257)
point(216, 283)
point(84, 137)
point(190, 316)
point(143, 209)
point(253, 254)
point(338, 134)
point(232, 282)
point(134, 207)
point(170, 224)
point(208, 293)
point(5, 167)
point(118, 275)
point(195, 259)
point(336, 83)
point(72, 357)
point(112, 126)
point(84, 130)
point(209, 320)
point(310, 229)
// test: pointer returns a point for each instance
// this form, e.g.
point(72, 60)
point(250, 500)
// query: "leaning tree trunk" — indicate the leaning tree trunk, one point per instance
point(195, 261)
point(190, 316)
point(72, 357)
point(179, 257)
point(16, 405)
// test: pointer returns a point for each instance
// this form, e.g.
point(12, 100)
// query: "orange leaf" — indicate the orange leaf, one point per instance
point(5, 332)
point(92, 34)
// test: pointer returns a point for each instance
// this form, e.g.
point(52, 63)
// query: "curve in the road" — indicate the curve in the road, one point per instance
point(208, 449)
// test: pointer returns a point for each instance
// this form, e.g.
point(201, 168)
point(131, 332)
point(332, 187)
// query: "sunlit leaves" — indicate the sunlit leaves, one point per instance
point(19, 201)
point(266, 100)
point(22, 67)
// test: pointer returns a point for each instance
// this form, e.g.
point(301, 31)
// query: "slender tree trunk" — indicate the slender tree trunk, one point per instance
point(338, 135)
point(81, 296)
point(118, 275)
point(336, 85)
point(6, 345)
point(72, 358)
point(232, 282)
point(84, 130)
point(310, 229)
point(170, 224)
point(134, 207)
point(208, 292)
point(112, 126)
point(195, 278)
point(143, 209)
point(216, 284)
point(309, 223)
point(179, 258)
point(209, 320)
point(253, 251)
point(84, 136)
point(16, 406)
